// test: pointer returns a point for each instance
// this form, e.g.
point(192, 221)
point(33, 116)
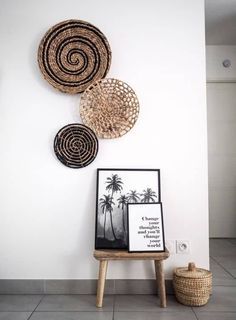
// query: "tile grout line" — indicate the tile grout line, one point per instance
point(194, 313)
point(113, 311)
point(222, 267)
point(36, 307)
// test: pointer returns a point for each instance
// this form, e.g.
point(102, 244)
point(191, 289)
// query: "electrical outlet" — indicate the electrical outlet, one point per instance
point(170, 245)
point(182, 246)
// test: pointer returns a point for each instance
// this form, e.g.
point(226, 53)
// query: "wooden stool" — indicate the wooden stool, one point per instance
point(105, 255)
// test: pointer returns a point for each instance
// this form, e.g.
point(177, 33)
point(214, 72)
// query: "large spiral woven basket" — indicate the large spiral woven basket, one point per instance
point(73, 54)
point(192, 285)
point(109, 107)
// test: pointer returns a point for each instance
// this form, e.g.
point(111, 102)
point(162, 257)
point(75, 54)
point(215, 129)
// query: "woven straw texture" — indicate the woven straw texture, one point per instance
point(76, 145)
point(73, 54)
point(192, 285)
point(110, 107)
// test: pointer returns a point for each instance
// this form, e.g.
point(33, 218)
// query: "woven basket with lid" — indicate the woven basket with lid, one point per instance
point(192, 285)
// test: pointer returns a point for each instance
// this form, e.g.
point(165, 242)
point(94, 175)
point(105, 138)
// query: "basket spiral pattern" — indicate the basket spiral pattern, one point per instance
point(109, 107)
point(76, 145)
point(73, 54)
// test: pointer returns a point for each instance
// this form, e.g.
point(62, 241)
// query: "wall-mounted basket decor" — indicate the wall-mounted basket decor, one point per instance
point(73, 54)
point(109, 107)
point(76, 145)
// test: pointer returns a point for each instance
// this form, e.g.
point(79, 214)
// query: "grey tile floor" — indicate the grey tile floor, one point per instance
point(222, 304)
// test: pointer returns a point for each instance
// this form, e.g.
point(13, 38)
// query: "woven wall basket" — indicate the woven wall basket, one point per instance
point(109, 107)
point(76, 145)
point(73, 54)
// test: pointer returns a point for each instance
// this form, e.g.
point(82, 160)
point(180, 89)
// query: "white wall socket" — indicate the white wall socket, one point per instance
point(182, 246)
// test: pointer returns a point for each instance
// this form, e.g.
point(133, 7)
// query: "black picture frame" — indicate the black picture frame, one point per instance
point(145, 227)
point(115, 188)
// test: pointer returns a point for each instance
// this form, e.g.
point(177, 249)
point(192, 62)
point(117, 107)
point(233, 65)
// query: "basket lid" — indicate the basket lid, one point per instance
point(192, 272)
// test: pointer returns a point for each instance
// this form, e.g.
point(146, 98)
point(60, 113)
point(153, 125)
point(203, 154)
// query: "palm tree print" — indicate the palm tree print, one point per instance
point(148, 195)
point(122, 202)
point(106, 203)
point(114, 184)
point(133, 196)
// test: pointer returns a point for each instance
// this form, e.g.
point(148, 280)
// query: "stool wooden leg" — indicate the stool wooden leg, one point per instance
point(101, 282)
point(160, 282)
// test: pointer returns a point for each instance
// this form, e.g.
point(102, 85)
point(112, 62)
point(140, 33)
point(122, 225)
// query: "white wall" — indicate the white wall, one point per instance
point(47, 210)
point(221, 97)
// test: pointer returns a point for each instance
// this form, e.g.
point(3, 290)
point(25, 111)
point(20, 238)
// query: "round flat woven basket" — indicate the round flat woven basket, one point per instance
point(76, 145)
point(73, 54)
point(109, 107)
point(192, 285)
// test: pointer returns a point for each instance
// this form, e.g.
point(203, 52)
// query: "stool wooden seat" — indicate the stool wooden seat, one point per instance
point(105, 255)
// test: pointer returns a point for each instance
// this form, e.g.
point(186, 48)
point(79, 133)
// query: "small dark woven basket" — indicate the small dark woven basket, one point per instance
point(76, 145)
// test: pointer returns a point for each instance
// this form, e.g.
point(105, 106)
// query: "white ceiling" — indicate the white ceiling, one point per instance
point(220, 22)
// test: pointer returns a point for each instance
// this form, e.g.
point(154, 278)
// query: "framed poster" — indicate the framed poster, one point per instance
point(145, 227)
point(115, 189)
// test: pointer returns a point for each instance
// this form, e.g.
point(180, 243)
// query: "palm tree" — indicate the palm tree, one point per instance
point(133, 196)
point(114, 184)
point(123, 200)
point(106, 204)
point(148, 195)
